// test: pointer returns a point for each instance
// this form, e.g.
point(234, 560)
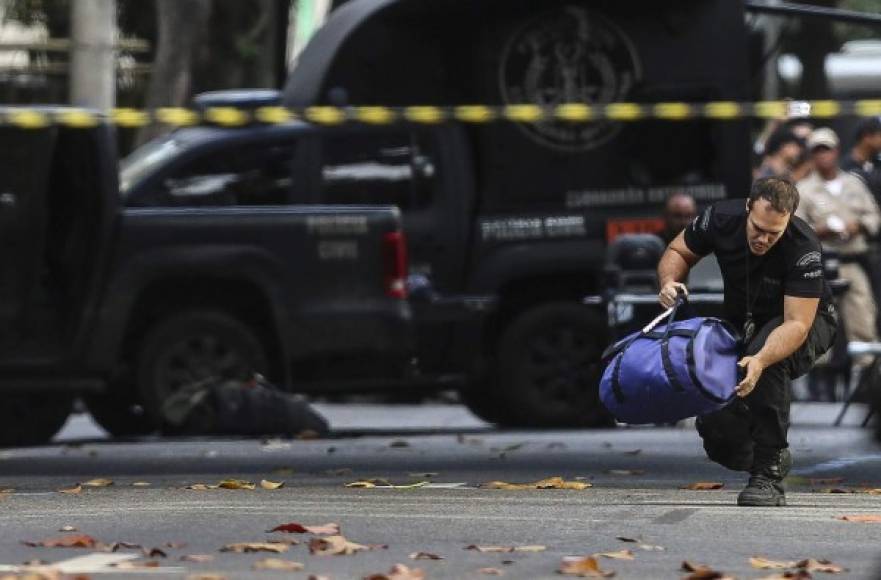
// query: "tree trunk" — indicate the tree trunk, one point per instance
point(181, 25)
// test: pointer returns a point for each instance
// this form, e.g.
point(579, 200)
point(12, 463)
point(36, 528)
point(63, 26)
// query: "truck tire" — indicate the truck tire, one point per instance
point(191, 346)
point(549, 367)
point(32, 419)
point(118, 410)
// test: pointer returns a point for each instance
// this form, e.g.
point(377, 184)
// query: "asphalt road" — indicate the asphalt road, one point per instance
point(642, 499)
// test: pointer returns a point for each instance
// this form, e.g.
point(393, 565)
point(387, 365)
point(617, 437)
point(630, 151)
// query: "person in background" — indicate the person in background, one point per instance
point(679, 210)
point(783, 151)
point(863, 162)
point(842, 211)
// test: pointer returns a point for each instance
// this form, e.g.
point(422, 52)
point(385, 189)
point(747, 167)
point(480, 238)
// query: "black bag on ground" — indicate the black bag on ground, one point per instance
point(237, 407)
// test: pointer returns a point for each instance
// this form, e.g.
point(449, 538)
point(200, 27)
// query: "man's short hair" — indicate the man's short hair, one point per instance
point(868, 127)
point(779, 139)
point(778, 191)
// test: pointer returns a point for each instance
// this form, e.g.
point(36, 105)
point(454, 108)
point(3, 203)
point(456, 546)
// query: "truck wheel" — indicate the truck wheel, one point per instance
point(549, 367)
point(118, 411)
point(192, 346)
point(32, 419)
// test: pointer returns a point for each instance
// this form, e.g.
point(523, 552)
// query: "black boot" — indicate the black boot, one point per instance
point(765, 487)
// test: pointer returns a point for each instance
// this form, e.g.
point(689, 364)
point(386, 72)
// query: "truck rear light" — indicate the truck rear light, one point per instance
point(395, 257)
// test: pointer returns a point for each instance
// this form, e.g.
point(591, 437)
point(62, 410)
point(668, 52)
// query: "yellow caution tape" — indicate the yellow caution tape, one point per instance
point(36, 117)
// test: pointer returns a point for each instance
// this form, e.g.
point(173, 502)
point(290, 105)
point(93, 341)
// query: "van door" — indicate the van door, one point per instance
point(25, 156)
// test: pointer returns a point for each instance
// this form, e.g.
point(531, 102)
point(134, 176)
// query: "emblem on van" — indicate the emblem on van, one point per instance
point(570, 55)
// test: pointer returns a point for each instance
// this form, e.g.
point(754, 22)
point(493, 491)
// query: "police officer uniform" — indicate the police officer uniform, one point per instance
point(751, 433)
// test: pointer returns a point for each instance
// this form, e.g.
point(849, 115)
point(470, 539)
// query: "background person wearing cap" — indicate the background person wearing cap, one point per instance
point(842, 211)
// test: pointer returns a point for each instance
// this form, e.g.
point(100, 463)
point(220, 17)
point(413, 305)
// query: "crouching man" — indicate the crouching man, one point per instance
point(776, 295)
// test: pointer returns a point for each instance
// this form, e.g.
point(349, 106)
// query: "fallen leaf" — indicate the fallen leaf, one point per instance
point(334, 546)
point(702, 572)
point(278, 564)
point(764, 564)
point(200, 487)
point(549, 483)
point(155, 553)
point(506, 549)
point(78, 541)
point(626, 472)
point(584, 566)
point(117, 546)
point(398, 572)
point(384, 483)
point(72, 490)
point(863, 518)
point(317, 577)
point(236, 484)
point(98, 483)
point(812, 565)
point(141, 484)
point(248, 547)
point(67, 529)
point(425, 556)
point(133, 565)
point(491, 571)
point(197, 558)
point(295, 528)
point(266, 484)
point(619, 555)
point(703, 485)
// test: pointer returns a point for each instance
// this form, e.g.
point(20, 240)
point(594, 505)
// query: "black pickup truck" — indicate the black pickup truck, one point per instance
point(125, 304)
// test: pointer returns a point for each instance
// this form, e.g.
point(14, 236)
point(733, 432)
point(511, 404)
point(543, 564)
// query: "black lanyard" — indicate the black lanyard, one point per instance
point(749, 326)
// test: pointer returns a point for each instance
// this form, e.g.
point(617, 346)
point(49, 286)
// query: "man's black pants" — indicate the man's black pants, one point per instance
point(761, 419)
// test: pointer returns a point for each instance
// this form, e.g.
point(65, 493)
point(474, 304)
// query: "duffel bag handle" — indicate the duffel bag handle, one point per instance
point(669, 313)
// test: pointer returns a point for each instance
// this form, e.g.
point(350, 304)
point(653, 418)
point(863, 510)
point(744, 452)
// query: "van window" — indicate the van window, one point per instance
point(394, 168)
point(244, 175)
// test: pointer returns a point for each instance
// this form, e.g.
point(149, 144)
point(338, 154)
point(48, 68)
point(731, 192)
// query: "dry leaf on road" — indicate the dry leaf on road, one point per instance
point(266, 484)
point(399, 572)
point(583, 566)
point(295, 528)
point(384, 483)
point(619, 555)
point(317, 577)
point(200, 487)
point(278, 564)
point(236, 484)
point(702, 572)
point(862, 518)
point(249, 547)
point(505, 549)
point(141, 484)
point(72, 490)
point(641, 545)
point(812, 565)
point(98, 483)
point(197, 558)
point(763, 563)
point(334, 546)
point(789, 575)
point(704, 485)
point(425, 556)
point(132, 565)
point(549, 483)
point(78, 541)
point(67, 529)
point(491, 571)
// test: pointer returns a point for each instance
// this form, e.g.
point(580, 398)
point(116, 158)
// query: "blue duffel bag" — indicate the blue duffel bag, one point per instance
point(669, 372)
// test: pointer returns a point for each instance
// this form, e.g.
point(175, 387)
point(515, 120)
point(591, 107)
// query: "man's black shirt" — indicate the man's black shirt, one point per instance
point(792, 267)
